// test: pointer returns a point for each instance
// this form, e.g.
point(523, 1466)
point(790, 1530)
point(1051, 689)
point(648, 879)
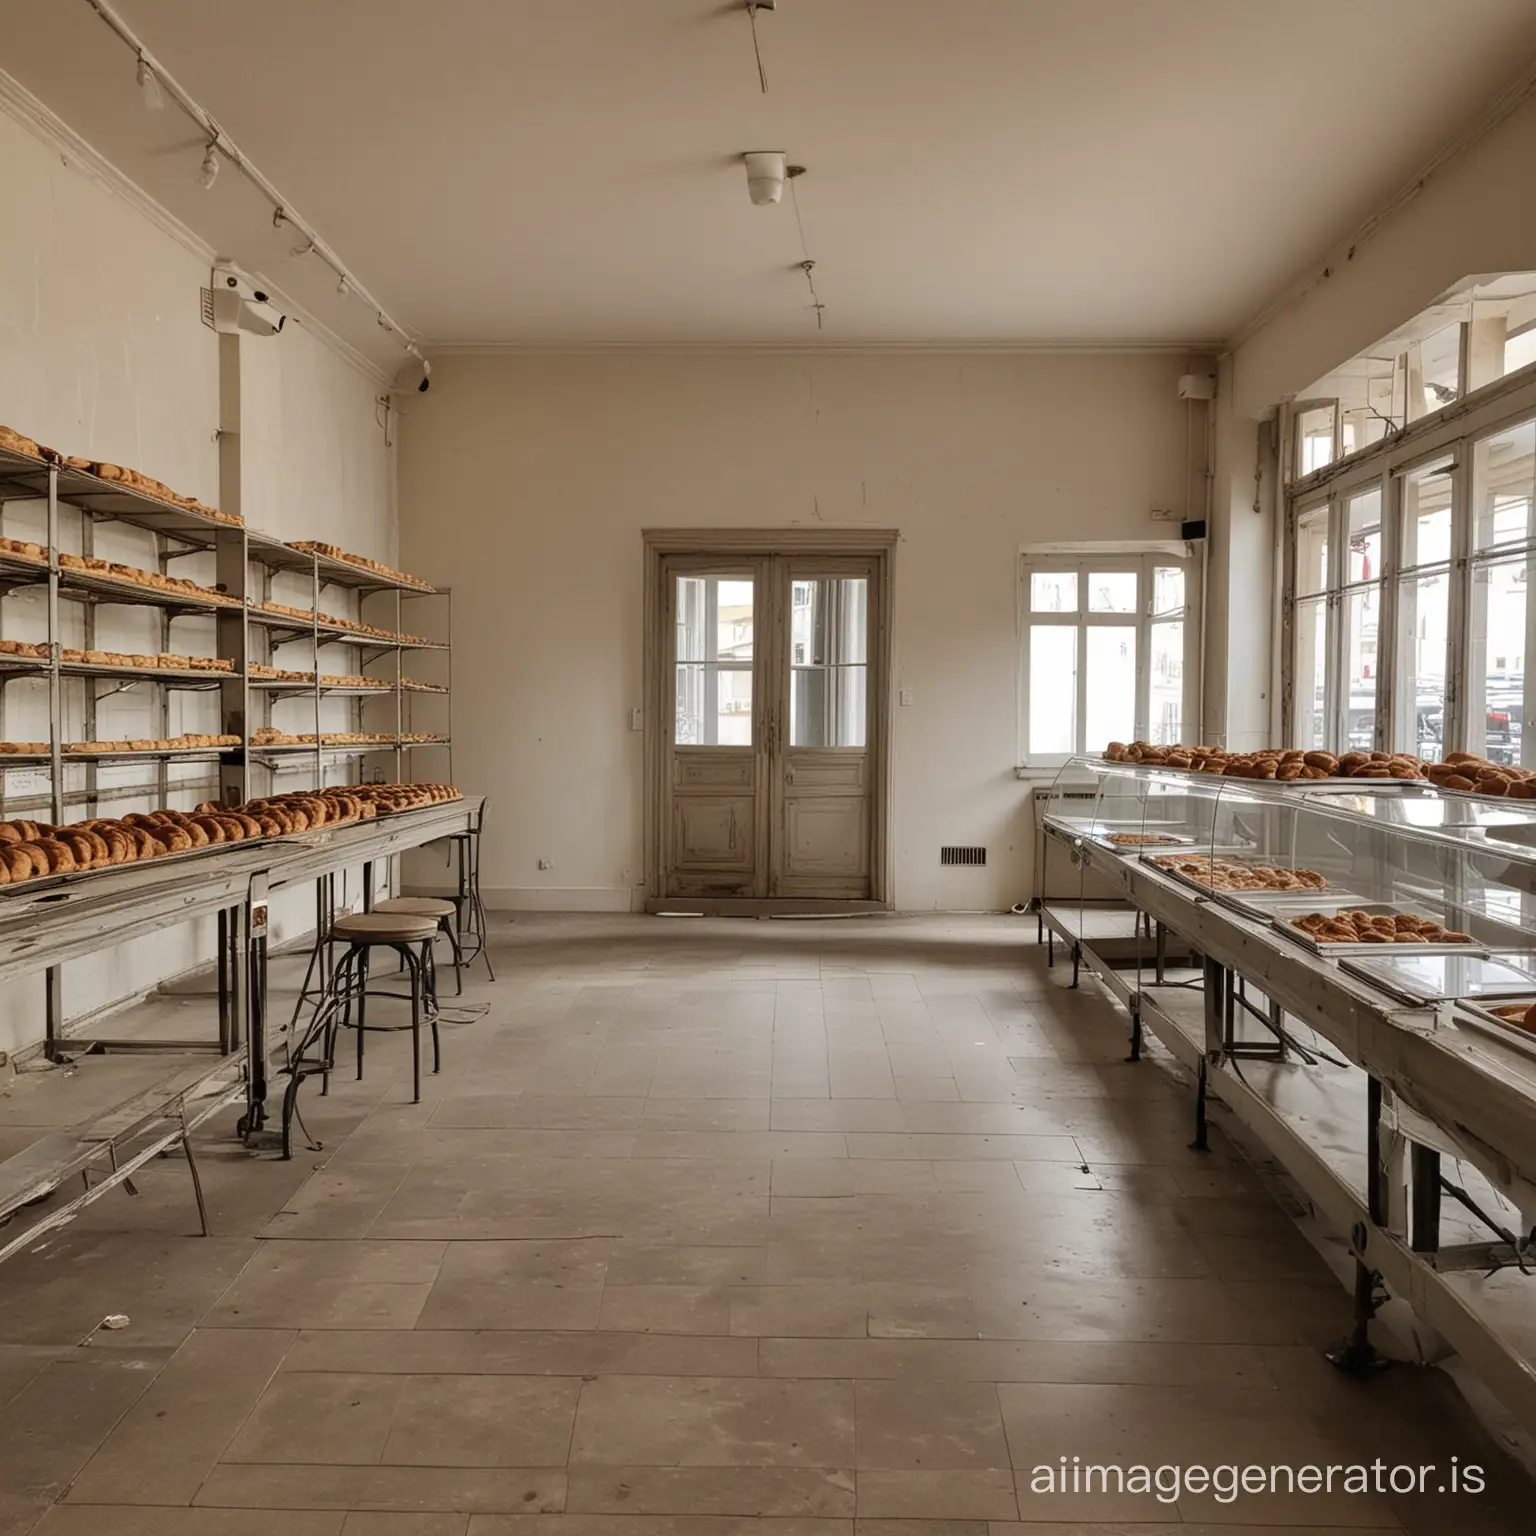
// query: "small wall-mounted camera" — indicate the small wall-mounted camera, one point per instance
point(240, 305)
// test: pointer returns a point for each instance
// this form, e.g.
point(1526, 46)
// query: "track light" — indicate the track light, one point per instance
point(150, 85)
point(342, 285)
point(208, 172)
point(765, 175)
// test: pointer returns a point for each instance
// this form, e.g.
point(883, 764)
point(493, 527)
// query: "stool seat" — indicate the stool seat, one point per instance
point(383, 928)
point(417, 906)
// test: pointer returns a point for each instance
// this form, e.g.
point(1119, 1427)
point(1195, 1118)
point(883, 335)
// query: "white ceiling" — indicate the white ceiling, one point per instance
point(980, 171)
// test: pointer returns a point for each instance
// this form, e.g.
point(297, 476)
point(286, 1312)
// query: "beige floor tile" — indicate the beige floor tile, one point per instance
point(665, 1309)
point(800, 1311)
point(127, 1520)
point(305, 1284)
point(949, 1424)
point(703, 1422)
point(328, 1418)
point(168, 1442)
point(937, 1494)
point(777, 1492)
point(547, 1285)
point(489, 1490)
point(482, 1421)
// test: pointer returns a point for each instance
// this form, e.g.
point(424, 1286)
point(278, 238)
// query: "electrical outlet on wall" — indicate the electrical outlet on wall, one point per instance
point(545, 864)
point(1166, 515)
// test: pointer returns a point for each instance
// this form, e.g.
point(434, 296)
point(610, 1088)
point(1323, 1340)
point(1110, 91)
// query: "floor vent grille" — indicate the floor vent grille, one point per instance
point(973, 857)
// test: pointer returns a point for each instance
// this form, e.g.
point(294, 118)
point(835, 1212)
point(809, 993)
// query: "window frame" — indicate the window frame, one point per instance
point(1451, 434)
point(1110, 557)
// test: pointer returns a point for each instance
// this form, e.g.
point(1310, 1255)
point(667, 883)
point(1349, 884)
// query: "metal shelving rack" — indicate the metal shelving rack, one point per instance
point(245, 561)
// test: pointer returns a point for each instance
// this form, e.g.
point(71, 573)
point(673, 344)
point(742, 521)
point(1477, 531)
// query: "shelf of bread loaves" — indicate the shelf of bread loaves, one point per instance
point(112, 490)
point(1465, 772)
point(343, 569)
point(32, 656)
point(286, 679)
point(31, 851)
point(190, 745)
point(267, 738)
point(109, 581)
point(410, 685)
point(303, 621)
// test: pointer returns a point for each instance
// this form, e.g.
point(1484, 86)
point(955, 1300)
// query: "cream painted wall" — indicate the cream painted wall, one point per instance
point(103, 352)
point(1473, 216)
point(525, 482)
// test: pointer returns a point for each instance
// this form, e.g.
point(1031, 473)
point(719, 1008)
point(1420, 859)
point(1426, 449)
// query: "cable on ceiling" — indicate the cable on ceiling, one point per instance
point(807, 265)
point(154, 79)
point(762, 76)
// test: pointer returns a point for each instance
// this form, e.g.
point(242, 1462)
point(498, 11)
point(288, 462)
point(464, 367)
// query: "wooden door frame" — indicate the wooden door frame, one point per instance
point(878, 544)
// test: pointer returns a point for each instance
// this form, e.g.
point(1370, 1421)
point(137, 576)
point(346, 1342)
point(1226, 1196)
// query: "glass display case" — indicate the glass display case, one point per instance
point(1338, 868)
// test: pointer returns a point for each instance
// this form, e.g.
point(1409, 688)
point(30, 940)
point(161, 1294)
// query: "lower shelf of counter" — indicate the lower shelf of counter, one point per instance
point(1311, 1119)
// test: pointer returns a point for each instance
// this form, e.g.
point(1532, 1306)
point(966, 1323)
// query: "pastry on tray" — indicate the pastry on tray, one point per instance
point(1521, 1016)
point(1143, 839)
point(1231, 875)
point(1352, 926)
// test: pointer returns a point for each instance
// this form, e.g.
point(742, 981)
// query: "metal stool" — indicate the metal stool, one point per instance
point(471, 921)
point(411, 938)
point(446, 915)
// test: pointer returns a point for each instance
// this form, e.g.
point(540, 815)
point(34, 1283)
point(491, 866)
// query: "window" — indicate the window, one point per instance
point(1409, 620)
point(1474, 336)
point(1108, 644)
point(1336, 621)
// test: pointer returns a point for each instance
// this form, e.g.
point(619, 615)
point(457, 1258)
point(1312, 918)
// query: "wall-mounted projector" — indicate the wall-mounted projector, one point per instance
point(240, 306)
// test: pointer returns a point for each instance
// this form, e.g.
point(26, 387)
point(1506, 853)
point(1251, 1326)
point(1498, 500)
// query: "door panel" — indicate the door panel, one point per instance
point(821, 779)
point(716, 828)
point(827, 838)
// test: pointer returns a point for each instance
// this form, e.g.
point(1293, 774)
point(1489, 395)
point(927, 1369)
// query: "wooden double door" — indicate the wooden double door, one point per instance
point(773, 698)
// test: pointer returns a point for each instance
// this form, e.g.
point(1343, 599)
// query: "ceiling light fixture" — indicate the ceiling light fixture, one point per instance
point(766, 169)
point(208, 172)
point(150, 86)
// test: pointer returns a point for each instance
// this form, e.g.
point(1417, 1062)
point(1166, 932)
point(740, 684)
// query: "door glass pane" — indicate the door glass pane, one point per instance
point(828, 659)
point(1312, 550)
point(1495, 712)
point(1502, 484)
point(1053, 688)
point(713, 652)
point(1311, 661)
point(1165, 723)
point(1426, 517)
point(1053, 592)
point(1167, 589)
point(1361, 615)
point(1111, 703)
point(1112, 592)
point(1363, 534)
point(1423, 629)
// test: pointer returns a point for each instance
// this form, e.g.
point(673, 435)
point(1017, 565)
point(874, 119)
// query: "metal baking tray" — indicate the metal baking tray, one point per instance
point(1229, 855)
point(1282, 913)
point(1169, 841)
point(1473, 1012)
point(1414, 977)
point(1261, 904)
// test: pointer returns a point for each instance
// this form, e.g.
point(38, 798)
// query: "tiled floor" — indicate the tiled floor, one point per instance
point(708, 1226)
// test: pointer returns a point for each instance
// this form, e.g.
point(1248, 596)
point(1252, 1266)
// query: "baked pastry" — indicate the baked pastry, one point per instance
point(1231, 875)
point(1353, 926)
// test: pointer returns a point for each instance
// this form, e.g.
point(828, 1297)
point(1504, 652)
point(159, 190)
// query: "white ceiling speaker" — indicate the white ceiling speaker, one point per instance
point(765, 175)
